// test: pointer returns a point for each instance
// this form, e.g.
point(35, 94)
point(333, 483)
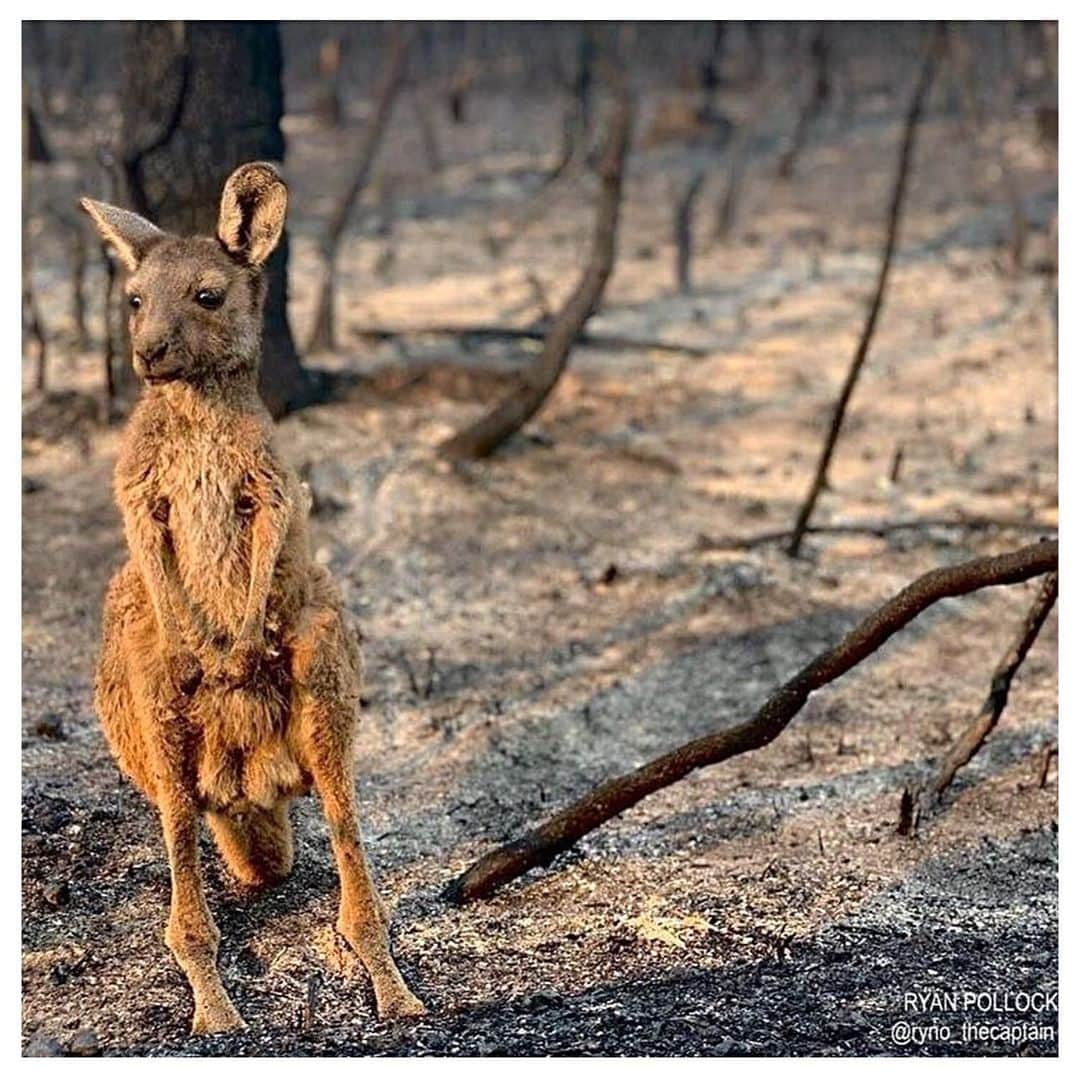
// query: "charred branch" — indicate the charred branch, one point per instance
point(967, 745)
point(903, 169)
point(561, 832)
point(492, 430)
point(322, 336)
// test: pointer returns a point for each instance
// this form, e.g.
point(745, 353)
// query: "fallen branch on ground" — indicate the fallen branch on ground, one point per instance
point(975, 734)
point(537, 332)
point(561, 832)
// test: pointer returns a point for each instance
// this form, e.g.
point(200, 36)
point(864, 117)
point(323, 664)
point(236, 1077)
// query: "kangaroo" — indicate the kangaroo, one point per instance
point(228, 680)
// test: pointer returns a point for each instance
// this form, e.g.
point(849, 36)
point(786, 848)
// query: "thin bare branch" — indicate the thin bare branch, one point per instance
point(907, 147)
point(975, 734)
point(322, 335)
point(492, 430)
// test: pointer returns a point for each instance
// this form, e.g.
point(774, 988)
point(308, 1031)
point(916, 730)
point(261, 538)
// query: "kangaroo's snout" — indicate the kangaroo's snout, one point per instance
point(153, 362)
point(155, 353)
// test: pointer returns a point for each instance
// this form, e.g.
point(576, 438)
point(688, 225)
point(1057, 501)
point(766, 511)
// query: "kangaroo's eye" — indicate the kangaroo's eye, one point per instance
point(210, 299)
point(134, 302)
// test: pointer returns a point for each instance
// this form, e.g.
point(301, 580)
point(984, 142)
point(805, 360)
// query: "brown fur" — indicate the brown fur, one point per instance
point(228, 679)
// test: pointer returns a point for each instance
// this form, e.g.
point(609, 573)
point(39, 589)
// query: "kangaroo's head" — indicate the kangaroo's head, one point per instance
point(196, 302)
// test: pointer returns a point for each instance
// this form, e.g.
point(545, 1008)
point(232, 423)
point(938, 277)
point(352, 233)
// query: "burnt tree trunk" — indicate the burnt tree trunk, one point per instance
point(819, 95)
point(202, 98)
point(739, 155)
point(683, 229)
point(577, 121)
point(32, 321)
point(711, 71)
point(110, 388)
point(78, 281)
point(119, 386)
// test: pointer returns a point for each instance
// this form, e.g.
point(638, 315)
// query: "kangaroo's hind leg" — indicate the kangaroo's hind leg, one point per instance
point(325, 692)
point(151, 740)
point(190, 932)
point(257, 846)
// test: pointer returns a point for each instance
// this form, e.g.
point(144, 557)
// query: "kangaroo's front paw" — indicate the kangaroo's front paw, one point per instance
point(242, 662)
point(185, 671)
point(216, 1018)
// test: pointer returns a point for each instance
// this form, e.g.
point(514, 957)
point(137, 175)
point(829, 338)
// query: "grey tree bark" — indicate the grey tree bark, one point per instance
point(202, 98)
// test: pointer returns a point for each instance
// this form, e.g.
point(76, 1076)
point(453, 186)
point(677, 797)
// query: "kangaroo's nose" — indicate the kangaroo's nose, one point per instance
point(155, 354)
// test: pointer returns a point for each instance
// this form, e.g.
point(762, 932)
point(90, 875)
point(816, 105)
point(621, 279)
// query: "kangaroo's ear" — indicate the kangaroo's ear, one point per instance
point(129, 235)
point(252, 215)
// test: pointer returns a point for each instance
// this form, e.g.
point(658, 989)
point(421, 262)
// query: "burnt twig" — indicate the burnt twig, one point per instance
point(488, 433)
point(973, 736)
point(922, 87)
point(322, 334)
point(1049, 753)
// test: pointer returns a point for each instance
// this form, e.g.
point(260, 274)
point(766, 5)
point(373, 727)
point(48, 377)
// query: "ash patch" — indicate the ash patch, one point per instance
point(955, 924)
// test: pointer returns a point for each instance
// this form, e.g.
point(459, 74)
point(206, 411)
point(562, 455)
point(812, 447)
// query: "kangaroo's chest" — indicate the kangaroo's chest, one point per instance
point(205, 491)
point(204, 498)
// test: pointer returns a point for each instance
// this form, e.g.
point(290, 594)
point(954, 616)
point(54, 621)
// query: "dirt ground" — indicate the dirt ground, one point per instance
point(551, 617)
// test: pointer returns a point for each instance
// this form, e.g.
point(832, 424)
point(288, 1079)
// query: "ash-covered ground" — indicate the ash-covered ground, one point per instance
point(549, 618)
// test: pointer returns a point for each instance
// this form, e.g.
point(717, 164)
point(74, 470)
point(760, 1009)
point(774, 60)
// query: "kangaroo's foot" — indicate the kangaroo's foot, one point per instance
point(398, 1002)
point(216, 1016)
point(190, 932)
